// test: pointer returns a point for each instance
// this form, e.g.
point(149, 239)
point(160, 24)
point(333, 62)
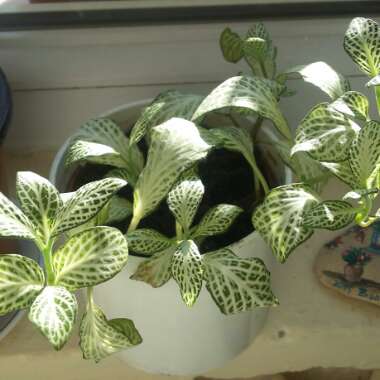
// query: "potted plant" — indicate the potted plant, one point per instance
point(174, 227)
point(179, 134)
point(356, 259)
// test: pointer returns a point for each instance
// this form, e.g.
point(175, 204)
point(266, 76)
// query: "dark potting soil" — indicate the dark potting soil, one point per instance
point(227, 178)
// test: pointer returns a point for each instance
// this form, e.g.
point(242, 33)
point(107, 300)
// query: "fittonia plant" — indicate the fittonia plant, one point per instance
point(85, 259)
point(336, 137)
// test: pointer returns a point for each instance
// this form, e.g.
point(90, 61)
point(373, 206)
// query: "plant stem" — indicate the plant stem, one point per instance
point(377, 94)
point(134, 222)
point(178, 231)
point(257, 173)
point(47, 253)
point(90, 297)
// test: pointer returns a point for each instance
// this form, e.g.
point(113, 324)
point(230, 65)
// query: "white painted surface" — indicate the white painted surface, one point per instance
point(61, 78)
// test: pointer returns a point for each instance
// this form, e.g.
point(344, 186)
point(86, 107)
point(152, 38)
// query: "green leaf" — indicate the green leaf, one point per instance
point(331, 215)
point(268, 59)
point(237, 284)
point(167, 105)
point(187, 271)
point(85, 203)
point(251, 93)
point(365, 156)
point(100, 338)
point(353, 104)
point(21, 280)
point(147, 242)
point(231, 45)
point(156, 269)
point(118, 209)
point(176, 145)
point(325, 134)
point(341, 170)
point(109, 146)
point(13, 222)
point(357, 194)
point(323, 76)
point(217, 220)
point(374, 81)
point(90, 257)
point(362, 44)
point(255, 48)
point(185, 197)
point(54, 312)
point(279, 218)
point(39, 200)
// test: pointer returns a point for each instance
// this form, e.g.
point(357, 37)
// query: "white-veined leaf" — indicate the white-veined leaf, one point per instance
point(330, 215)
point(374, 81)
point(365, 156)
point(237, 284)
point(100, 337)
point(21, 280)
point(185, 197)
point(13, 222)
point(217, 220)
point(175, 146)
point(323, 76)
point(85, 203)
point(362, 44)
point(357, 194)
point(54, 312)
point(231, 45)
point(39, 200)
point(279, 218)
point(90, 257)
point(268, 61)
point(341, 170)
point(353, 104)
point(251, 93)
point(114, 143)
point(187, 271)
point(167, 105)
point(325, 134)
point(147, 242)
point(155, 270)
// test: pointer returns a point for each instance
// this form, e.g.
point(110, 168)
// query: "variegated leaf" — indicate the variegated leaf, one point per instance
point(237, 284)
point(362, 44)
point(167, 105)
point(105, 132)
point(251, 93)
point(279, 218)
point(217, 220)
point(39, 200)
point(85, 203)
point(13, 222)
point(341, 170)
point(21, 280)
point(268, 62)
point(118, 209)
point(100, 337)
point(175, 147)
point(155, 270)
point(353, 104)
point(357, 194)
point(54, 312)
point(330, 215)
point(231, 45)
point(323, 76)
point(185, 197)
point(325, 134)
point(374, 81)
point(90, 258)
point(187, 271)
point(255, 51)
point(365, 156)
point(147, 242)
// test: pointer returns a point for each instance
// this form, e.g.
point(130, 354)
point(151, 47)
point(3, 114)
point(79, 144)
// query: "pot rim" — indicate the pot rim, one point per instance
point(142, 103)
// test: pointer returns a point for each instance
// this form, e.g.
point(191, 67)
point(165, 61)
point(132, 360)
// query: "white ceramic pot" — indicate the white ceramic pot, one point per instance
point(177, 340)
